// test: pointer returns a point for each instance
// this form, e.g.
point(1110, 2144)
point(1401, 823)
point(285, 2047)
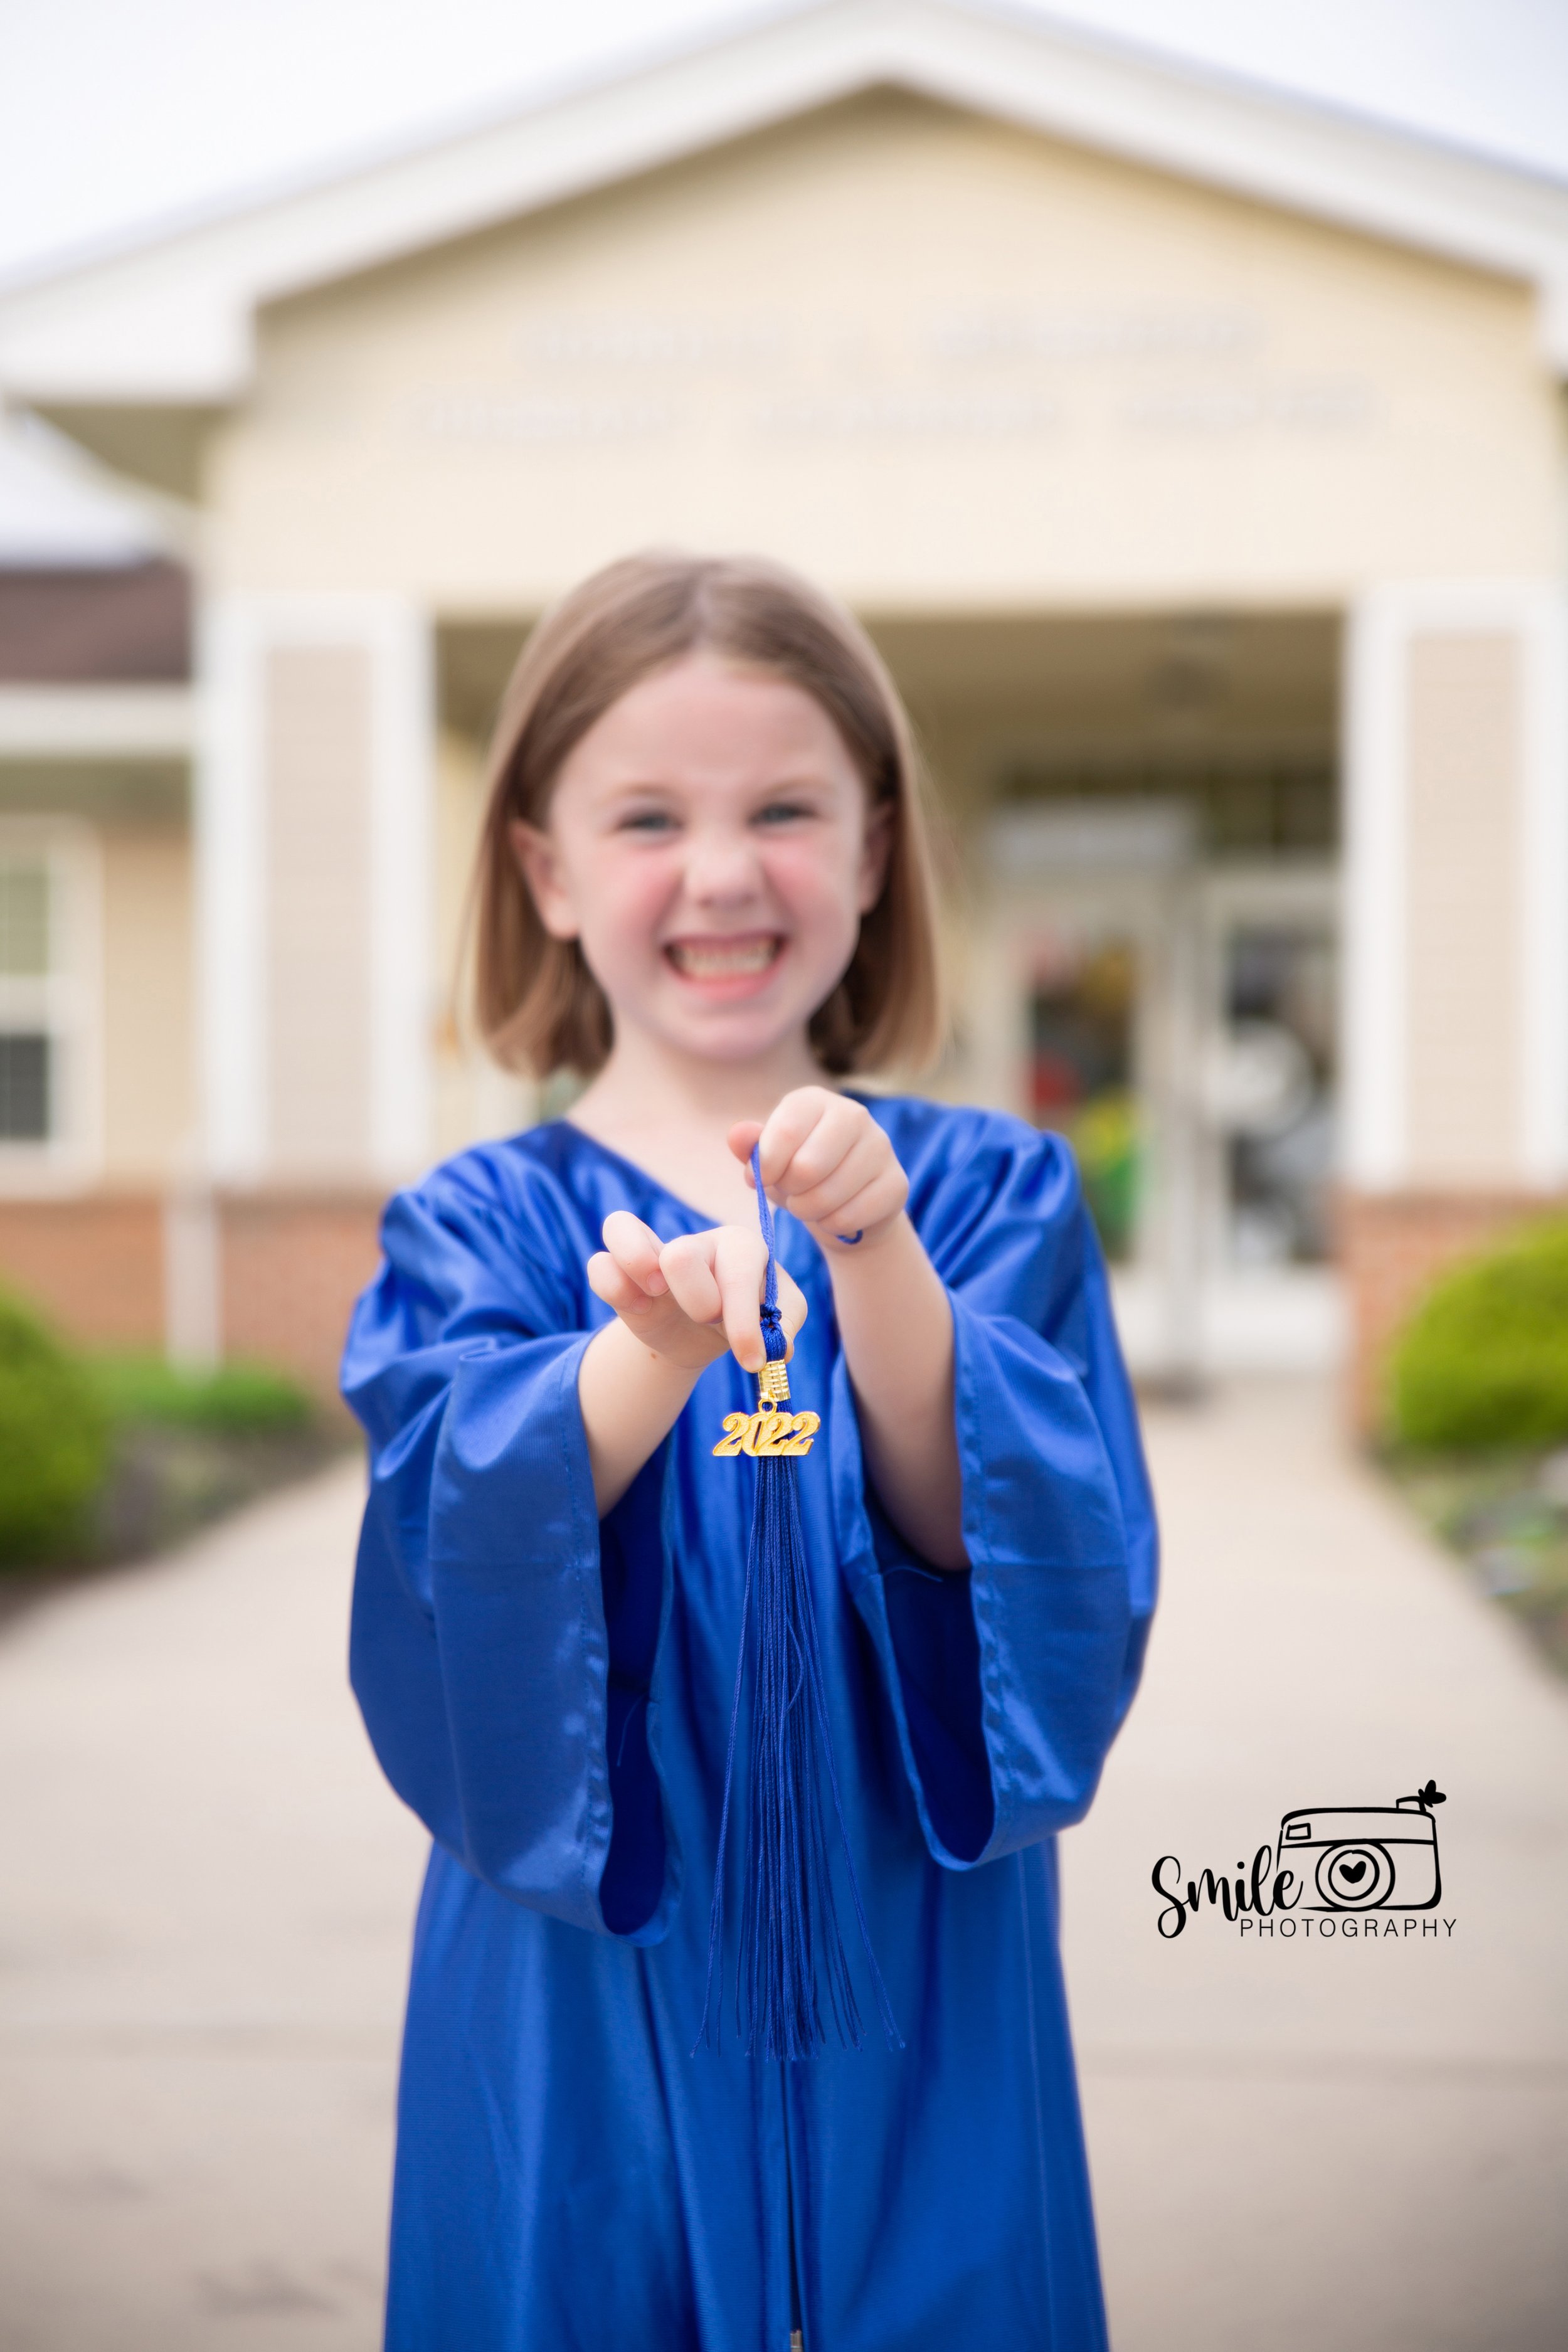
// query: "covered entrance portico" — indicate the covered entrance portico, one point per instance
point(1149, 806)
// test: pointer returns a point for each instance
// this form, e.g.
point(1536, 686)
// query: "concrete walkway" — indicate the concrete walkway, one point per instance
point(1348, 2146)
point(206, 1894)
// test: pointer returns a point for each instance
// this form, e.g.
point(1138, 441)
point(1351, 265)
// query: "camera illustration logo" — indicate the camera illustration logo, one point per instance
point(1366, 1857)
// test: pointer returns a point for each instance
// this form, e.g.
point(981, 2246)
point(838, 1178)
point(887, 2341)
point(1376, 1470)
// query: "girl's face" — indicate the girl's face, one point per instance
point(710, 845)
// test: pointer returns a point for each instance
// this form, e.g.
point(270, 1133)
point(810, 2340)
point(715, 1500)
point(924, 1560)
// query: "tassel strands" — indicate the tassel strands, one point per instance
point(793, 1979)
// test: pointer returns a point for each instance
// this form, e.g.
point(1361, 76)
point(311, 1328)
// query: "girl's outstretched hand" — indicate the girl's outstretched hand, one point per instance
point(688, 1299)
point(827, 1160)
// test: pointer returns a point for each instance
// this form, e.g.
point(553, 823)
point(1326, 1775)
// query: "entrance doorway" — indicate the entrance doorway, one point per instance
point(1177, 1022)
point(1148, 948)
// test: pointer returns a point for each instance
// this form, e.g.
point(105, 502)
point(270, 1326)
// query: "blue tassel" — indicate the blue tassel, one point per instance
point(793, 1976)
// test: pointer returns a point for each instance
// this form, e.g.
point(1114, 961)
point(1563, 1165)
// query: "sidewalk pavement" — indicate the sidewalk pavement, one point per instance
point(206, 1894)
point(1349, 2146)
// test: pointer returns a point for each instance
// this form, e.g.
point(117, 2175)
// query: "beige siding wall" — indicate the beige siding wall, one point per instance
point(941, 363)
point(317, 765)
point(1463, 716)
point(149, 1042)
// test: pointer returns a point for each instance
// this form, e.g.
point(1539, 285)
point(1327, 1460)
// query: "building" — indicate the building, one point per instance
point(1198, 458)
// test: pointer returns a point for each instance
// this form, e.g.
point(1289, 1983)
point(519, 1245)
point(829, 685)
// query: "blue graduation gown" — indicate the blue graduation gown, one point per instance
point(551, 1696)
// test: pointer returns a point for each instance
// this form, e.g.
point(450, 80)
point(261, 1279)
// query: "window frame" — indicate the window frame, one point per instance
point(66, 1003)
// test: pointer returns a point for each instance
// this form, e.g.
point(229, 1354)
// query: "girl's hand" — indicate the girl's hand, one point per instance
point(688, 1299)
point(827, 1160)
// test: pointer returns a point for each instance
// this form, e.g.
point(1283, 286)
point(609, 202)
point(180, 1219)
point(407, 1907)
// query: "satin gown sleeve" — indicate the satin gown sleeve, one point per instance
point(1006, 1685)
point(488, 1614)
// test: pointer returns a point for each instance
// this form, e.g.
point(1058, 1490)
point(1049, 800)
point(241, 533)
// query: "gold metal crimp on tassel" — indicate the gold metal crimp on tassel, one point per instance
point(768, 1432)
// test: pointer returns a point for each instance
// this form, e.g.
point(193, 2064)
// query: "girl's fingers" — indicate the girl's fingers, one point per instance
point(635, 1249)
point(687, 1264)
point(874, 1205)
point(611, 1283)
point(793, 1308)
point(868, 1166)
point(796, 1122)
point(717, 1278)
point(742, 1139)
point(740, 1268)
point(841, 1151)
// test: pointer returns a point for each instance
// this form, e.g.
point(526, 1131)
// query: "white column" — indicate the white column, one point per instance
point(1543, 895)
point(1372, 1149)
point(193, 1276)
point(231, 882)
point(1398, 896)
point(403, 888)
point(242, 919)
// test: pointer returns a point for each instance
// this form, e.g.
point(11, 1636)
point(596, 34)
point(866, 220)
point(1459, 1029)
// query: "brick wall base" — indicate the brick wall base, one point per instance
point(93, 1266)
point(1391, 1247)
point(290, 1265)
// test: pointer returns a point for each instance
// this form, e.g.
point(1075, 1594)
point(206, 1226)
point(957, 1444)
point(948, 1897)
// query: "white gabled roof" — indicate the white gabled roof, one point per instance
point(170, 322)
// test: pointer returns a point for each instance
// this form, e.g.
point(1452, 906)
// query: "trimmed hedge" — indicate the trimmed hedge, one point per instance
point(231, 1399)
point(54, 1440)
point(70, 1426)
point(1483, 1364)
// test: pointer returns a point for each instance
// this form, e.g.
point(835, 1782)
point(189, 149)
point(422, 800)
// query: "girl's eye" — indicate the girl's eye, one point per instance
point(784, 813)
point(647, 821)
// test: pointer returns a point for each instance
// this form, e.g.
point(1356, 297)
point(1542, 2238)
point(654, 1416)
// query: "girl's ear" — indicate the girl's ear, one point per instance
point(874, 851)
point(540, 867)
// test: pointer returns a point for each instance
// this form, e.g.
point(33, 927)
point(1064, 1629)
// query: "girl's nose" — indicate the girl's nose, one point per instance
point(721, 868)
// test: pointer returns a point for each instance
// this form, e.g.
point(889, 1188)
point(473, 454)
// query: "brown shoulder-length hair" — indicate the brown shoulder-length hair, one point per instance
point(539, 1008)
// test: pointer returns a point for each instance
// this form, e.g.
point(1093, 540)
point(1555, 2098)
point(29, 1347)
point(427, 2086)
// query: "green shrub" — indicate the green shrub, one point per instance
point(1483, 1364)
point(54, 1440)
point(231, 1399)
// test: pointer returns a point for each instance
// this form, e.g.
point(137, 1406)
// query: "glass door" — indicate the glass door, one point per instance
point(1084, 1005)
point(1083, 1067)
point(1177, 1023)
point(1269, 1087)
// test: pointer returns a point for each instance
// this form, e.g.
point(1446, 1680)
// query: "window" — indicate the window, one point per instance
point(24, 958)
point(24, 1087)
point(47, 962)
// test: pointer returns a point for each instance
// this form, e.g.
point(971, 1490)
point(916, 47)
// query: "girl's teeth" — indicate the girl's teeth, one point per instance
point(723, 963)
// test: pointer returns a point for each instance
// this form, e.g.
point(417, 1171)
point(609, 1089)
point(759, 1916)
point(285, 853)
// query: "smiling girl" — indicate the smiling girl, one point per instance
point(704, 885)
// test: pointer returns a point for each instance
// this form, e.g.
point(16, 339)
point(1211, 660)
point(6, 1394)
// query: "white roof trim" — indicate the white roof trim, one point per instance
point(56, 512)
point(170, 322)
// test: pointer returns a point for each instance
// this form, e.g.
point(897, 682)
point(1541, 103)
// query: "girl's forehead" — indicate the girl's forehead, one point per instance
point(705, 720)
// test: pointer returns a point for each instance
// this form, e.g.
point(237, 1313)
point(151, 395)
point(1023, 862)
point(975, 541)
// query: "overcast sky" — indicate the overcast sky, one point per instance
point(116, 114)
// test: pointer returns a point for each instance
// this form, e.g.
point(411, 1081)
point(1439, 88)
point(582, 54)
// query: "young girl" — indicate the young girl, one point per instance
point(705, 883)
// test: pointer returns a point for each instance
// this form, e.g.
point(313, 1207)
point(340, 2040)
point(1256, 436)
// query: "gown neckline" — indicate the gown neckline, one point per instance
point(701, 1217)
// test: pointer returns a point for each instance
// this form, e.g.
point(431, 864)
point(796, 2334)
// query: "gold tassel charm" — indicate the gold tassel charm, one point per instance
point(768, 1432)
